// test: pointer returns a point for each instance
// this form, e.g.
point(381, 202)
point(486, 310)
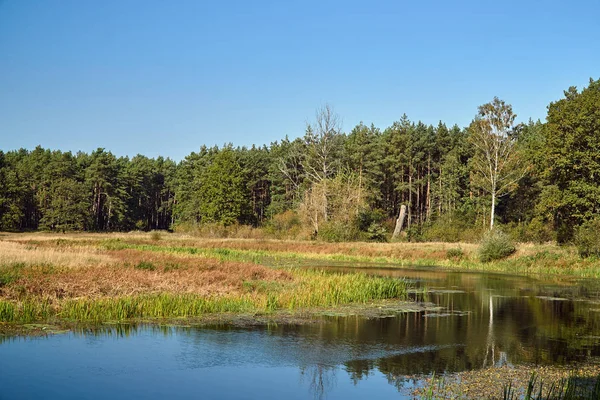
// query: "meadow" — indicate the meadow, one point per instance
point(90, 277)
point(116, 277)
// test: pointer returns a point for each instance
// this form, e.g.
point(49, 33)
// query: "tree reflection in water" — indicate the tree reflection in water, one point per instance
point(321, 379)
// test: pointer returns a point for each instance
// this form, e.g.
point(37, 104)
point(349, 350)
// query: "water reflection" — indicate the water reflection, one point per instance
point(484, 320)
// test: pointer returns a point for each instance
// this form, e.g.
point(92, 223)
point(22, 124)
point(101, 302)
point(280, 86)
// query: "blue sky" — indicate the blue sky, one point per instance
point(165, 77)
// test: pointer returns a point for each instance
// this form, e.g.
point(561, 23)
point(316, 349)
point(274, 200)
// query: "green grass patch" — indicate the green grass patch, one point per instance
point(145, 265)
point(10, 273)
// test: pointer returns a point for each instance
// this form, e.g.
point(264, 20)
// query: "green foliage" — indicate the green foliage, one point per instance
point(452, 228)
point(222, 193)
point(495, 245)
point(285, 225)
point(455, 252)
point(145, 265)
point(377, 233)
point(536, 231)
point(438, 171)
point(571, 169)
point(587, 238)
point(338, 231)
point(371, 222)
point(10, 273)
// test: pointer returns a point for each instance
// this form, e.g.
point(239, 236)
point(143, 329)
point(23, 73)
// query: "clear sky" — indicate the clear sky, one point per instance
point(165, 77)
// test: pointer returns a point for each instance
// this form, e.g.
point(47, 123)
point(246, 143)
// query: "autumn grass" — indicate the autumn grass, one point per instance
point(528, 259)
point(97, 277)
point(307, 289)
point(145, 282)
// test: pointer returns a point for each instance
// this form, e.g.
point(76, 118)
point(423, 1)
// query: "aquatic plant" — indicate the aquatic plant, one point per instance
point(571, 388)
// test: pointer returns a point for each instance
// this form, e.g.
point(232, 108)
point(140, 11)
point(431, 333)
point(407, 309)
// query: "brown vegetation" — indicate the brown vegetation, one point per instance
point(83, 272)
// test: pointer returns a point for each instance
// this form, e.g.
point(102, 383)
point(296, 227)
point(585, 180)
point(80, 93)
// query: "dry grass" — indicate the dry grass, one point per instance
point(17, 253)
point(50, 273)
point(407, 251)
point(77, 277)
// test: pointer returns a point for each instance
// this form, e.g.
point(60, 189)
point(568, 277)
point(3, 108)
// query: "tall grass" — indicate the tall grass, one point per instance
point(571, 388)
point(308, 289)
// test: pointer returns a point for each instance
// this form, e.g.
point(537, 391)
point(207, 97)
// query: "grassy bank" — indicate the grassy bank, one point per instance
point(99, 277)
point(528, 259)
point(95, 280)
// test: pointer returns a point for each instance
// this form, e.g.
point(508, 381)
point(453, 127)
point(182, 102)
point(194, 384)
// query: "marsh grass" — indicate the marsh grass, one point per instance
point(10, 272)
point(557, 384)
point(529, 259)
point(571, 388)
point(302, 289)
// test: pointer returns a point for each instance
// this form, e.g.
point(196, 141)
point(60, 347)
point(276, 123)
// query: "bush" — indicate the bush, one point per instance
point(377, 233)
point(334, 231)
point(455, 252)
point(371, 223)
point(535, 231)
point(155, 236)
point(451, 228)
point(495, 245)
point(285, 225)
point(587, 238)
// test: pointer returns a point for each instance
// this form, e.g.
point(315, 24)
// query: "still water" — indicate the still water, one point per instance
point(484, 320)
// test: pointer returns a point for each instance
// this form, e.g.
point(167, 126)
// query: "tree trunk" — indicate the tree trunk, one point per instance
point(428, 193)
point(493, 209)
point(400, 221)
point(409, 196)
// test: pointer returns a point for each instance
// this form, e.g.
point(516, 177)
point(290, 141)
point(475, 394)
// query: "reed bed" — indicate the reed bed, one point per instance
point(143, 282)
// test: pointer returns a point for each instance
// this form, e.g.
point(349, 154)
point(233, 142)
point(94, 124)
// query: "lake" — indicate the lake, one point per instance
point(483, 320)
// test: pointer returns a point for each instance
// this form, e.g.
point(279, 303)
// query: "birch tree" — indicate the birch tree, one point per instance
point(496, 164)
point(323, 142)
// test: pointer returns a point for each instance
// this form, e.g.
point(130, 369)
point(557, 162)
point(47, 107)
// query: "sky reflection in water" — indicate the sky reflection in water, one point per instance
point(488, 320)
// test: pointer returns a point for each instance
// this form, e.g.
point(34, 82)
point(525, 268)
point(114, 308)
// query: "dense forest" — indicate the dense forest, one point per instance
point(539, 181)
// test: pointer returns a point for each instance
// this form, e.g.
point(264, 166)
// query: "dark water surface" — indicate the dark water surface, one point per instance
point(485, 320)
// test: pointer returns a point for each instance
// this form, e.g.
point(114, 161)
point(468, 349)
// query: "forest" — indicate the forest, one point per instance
point(538, 181)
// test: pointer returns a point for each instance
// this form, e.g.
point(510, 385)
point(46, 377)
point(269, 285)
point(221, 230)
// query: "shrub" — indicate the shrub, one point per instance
point(369, 216)
point(587, 238)
point(371, 222)
point(451, 228)
point(155, 236)
point(335, 231)
point(455, 252)
point(495, 245)
point(536, 231)
point(377, 233)
point(284, 225)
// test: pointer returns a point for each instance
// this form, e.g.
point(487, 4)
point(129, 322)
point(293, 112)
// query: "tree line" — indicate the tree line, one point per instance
point(542, 180)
